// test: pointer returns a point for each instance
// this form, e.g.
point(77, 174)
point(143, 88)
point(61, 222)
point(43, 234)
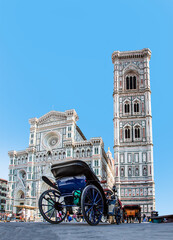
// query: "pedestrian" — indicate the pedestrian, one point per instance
point(74, 217)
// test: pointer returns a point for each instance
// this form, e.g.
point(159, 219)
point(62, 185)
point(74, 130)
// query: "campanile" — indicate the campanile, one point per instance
point(133, 143)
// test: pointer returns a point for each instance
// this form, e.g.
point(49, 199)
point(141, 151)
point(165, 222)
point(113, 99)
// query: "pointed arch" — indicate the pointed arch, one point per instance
point(126, 106)
point(137, 131)
point(131, 77)
point(127, 132)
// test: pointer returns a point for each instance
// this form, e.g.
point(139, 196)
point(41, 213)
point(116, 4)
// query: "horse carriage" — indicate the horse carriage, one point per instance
point(132, 213)
point(76, 187)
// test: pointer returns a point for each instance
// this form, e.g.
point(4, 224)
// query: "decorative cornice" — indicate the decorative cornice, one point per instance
point(12, 153)
point(133, 144)
point(132, 117)
point(56, 114)
point(59, 115)
point(146, 52)
point(132, 92)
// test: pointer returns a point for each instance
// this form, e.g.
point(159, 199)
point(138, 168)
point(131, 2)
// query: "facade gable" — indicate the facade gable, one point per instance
point(52, 117)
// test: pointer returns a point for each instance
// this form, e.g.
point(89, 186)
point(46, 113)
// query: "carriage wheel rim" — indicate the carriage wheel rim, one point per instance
point(52, 214)
point(93, 205)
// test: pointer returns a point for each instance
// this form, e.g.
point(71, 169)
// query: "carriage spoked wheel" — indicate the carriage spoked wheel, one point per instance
point(52, 206)
point(92, 204)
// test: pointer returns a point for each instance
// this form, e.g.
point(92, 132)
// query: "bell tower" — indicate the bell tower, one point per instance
point(133, 144)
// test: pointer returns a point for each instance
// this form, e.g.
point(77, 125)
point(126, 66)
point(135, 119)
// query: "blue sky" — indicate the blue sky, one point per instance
point(57, 55)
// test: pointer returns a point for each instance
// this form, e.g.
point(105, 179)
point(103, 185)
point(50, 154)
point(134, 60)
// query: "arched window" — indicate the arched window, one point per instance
point(127, 133)
point(77, 153)
point(63, 156)
point(127, 83)
point(126, 107)
point(122, 172)
point(134, 82)
point(129, 171)
point(88, 153)
point(136, 171)
point(136, 107)
point(49, 153)
point(144, 171)
point(137, 132)
point(131, 82)
point(22, 195)
point(83, 153)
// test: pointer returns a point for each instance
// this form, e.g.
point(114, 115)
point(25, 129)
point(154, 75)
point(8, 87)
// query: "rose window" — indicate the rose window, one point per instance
point(51, 140)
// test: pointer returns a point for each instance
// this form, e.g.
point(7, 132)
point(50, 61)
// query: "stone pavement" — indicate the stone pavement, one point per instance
point(65, 231)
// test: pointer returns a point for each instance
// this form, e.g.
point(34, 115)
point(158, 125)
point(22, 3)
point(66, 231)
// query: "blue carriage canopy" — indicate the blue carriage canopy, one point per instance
point(73, 168)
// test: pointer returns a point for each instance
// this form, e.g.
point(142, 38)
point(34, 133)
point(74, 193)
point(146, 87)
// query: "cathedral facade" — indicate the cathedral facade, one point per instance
point(53, 137)
point(133, 143)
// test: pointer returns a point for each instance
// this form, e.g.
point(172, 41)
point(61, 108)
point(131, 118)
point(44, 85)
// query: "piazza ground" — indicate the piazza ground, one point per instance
point(46, 231)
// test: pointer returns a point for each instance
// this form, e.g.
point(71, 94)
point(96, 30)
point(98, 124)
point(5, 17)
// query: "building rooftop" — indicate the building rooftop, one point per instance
point(3, 180)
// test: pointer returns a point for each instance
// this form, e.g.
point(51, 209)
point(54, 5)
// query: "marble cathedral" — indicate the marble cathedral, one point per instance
point(133, 143)
point(53, 137)
point(56, 136)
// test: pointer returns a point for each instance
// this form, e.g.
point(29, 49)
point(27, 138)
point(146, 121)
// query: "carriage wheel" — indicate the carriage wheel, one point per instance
point(52, 206)
point(92, 204)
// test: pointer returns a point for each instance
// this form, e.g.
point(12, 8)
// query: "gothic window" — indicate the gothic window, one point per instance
point(122, 172)
point(77, 154)
point(130, 171)
point(83, 153)
point(88, 153)
point(144, 171)
point(59, 155)
point(136, 107)
point(134, 82)
point(126, 107)
point(136, 171)
point(22, 195)
point(130, 82)
point(49, 153)
point(127, 133)
point(137, 132)
point(63, 155)
point(127, 83)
